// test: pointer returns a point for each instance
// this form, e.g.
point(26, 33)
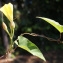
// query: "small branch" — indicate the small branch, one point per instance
point(50, 39)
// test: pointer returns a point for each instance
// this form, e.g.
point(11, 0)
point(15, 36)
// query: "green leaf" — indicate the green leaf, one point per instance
point(27, 45)
point(53, 23)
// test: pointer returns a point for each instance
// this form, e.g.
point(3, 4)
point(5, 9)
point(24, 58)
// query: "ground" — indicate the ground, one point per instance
point(55, 56)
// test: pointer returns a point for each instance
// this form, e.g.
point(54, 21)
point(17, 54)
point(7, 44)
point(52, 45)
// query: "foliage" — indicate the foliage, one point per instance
point(24, 43)
point(27, 45)
point(53, 23)
point(47, 8)
point(56, 25)
point(27, 22)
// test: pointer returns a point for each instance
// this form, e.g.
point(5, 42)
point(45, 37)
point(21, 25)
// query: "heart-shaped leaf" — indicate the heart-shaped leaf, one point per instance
point(53, 23)
point(27, 45)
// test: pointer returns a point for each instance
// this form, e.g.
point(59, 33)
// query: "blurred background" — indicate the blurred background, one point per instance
point(25, 13)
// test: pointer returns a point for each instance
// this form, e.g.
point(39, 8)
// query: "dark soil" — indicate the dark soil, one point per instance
point(51, 57)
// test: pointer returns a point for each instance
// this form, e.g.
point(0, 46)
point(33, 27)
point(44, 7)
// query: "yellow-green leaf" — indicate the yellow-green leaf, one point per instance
point(27, 45)
point(7, 10)
point(53, 23)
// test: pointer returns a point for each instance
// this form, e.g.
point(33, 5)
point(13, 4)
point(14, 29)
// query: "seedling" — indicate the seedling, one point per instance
point(24, 43)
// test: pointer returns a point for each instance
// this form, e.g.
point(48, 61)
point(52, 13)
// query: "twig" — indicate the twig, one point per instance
point(34, 34)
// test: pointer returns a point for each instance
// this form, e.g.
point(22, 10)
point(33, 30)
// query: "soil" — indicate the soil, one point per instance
point(51, 57)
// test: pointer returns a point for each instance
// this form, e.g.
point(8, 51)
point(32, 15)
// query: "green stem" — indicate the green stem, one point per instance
point(11, 43)
point(11, 39)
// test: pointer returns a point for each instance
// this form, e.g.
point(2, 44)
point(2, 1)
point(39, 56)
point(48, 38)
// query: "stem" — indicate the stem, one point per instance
point(11, 43)
point(11, 39)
